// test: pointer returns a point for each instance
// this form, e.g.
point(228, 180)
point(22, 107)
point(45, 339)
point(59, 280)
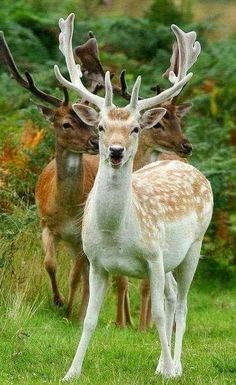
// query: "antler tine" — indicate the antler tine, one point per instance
point(41, 94)
point(164, 95)
point(174, 61)
point(65, 39)
point(123, 91)
point(174, 66)
point(91, 34)
point(27, 83)
point(123, 82)
point(66, 97)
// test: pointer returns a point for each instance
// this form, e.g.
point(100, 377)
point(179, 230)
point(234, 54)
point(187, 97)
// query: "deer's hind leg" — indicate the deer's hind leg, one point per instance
point(123, 316)
point(145, 309)
point(50, 264)
point(170, 304)
point(157, 287)
point(184, 275)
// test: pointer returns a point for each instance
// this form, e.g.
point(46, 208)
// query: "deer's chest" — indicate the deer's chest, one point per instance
point(66, 225)
point(117, 253)
point(70, 232)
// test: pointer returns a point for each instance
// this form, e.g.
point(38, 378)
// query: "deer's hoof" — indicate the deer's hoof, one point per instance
point(166, 370)
point(178, 368)
point(71, 375)
point(59, 300)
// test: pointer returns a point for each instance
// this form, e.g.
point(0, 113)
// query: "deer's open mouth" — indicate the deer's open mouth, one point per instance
point(116, 160)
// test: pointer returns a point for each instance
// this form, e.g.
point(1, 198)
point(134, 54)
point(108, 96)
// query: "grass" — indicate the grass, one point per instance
point(37, 344)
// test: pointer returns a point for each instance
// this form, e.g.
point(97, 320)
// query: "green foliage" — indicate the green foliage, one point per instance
point(167, 12)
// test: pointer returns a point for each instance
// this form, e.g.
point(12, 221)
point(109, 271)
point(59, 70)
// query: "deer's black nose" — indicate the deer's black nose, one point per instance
point(116, 151)
point(186, 147)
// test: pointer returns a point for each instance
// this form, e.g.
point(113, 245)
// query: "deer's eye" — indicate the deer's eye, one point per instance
point(159, 126)
point(66, 125)
point(136, 130)
point(100, 128)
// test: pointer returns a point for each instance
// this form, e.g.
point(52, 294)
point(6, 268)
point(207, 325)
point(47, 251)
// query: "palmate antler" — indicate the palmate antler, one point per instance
point(185, 52)
point(27, 82)
point(65, 39)
point(139, 105)
point(88, 54)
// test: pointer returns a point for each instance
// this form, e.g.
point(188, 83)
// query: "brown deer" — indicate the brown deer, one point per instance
point(63, 186)
point(148, 223)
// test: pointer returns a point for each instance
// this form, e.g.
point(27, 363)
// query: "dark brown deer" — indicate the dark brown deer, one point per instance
point(63, 186)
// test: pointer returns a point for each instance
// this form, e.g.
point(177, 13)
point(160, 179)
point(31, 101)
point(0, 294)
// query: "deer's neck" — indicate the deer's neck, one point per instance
point(70, 176)
point(112, 195)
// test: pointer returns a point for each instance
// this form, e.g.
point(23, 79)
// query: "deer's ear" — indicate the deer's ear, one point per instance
point(151, 117)
point(183, 109)
point(87, 114)
point(49, 113)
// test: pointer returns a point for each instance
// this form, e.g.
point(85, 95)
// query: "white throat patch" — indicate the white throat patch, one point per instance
point(73, 161)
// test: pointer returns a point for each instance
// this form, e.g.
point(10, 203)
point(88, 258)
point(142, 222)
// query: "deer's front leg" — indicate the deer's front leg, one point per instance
point(50, 264)
point(97, 287)
point(157, 284)
point(74, 279)
point(85, 291)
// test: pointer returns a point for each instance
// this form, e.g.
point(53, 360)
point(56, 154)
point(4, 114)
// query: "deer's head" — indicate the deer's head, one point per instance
point(70, 131)
point(119, 128)
point(167, 135)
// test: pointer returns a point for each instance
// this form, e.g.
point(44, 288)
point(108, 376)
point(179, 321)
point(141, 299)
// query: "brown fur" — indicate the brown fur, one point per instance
point(60, 205)
point(119, 114)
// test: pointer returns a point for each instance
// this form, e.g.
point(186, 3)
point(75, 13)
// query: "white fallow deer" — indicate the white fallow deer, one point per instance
point(163, 141)
point(144, 224)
